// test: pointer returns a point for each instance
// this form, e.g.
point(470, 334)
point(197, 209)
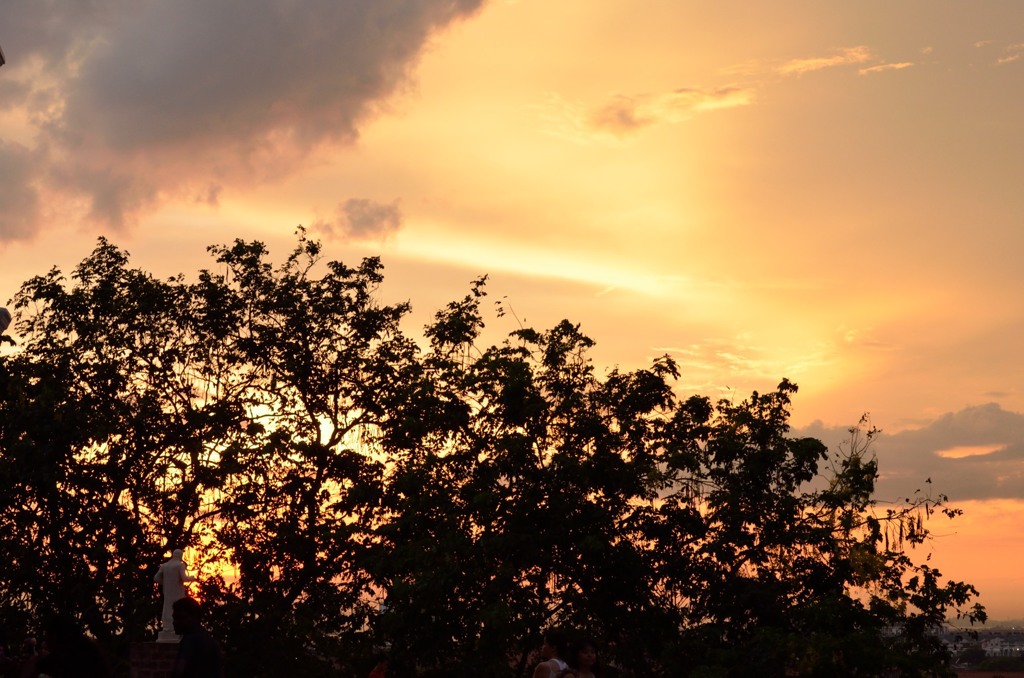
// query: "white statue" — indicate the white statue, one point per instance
point(172, 577)
point(5, 315)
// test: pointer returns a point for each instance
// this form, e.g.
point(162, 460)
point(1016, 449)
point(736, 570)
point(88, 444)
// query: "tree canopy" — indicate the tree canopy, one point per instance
point(345, 488)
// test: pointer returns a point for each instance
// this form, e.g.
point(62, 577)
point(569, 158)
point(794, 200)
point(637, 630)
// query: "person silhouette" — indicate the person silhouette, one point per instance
point(70, 654)
point(553, 653)
point(199, 654)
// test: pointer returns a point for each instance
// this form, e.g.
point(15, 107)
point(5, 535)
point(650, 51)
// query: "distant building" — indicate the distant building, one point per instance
point(1001, 646)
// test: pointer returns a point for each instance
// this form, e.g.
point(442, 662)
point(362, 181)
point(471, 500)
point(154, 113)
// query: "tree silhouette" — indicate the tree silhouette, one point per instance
point(345, 489)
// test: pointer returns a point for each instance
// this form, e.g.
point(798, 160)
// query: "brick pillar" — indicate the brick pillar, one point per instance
point(152, 660)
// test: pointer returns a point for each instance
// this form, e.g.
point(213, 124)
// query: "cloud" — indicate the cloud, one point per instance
point(961, 451)
point(624, 114)
point(139, 100)
point(975, 453)
point(863, 338)
point(18, 195)
point(11, 92)
point(882, 68)
point(1011, 53)
point(846, 57)
point(742, 362)
point(734, 357)
point(363, 219)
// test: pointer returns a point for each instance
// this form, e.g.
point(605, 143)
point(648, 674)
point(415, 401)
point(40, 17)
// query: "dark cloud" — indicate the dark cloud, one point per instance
point(164, 98)
point(210, 195)
point(19, 199)
point(363, 219)
point(975, 453)
point(54, 31)
point(12, 92)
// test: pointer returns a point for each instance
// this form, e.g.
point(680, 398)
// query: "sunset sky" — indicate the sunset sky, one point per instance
point(828, 191)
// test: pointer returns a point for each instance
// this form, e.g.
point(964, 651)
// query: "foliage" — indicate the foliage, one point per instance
point(972, 654)
point(344, 489)
point(1014, 664)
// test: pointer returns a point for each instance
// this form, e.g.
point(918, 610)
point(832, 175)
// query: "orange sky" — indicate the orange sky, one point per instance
point(822, 191)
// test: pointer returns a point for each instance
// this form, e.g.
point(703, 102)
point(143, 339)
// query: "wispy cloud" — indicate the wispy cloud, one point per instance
point(848, 56)
point(1005, 54)
point(961, 451)
point(845, 57)
point(741, 361)
point(863, 338)
point(882, 68)
point(732, 357)
point(624, 114)
point(1011, 53)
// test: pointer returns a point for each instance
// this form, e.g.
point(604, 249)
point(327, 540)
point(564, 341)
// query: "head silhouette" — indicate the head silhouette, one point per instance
point(187, 615)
